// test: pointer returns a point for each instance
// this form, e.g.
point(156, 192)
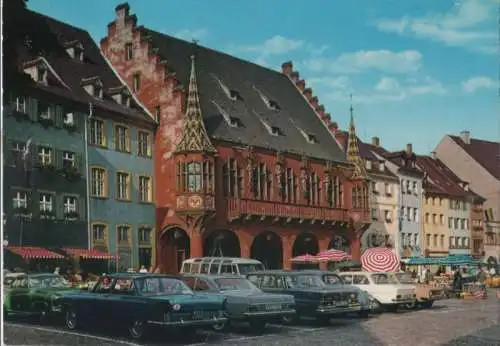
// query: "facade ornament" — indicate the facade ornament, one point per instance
point(279, 169)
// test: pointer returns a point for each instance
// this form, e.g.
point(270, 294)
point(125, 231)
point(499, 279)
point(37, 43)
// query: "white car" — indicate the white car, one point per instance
point(383, 288)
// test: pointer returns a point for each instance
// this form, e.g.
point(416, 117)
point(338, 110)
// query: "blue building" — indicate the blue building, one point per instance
point(77, 120)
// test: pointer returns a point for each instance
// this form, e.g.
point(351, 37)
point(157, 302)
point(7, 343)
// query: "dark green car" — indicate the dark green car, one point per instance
point(245, 302)
point(138, 302)
point(35, 295)
point(313, 298)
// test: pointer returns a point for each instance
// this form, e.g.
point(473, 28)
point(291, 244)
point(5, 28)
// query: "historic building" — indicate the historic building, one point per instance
point(403, 165)
point(447, 210)
point(475, 161)
point(246, 161)
point(74, 85)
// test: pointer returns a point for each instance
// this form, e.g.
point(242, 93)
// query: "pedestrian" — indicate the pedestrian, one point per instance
point(143, 269)
point(457, 281)
point(481, 275)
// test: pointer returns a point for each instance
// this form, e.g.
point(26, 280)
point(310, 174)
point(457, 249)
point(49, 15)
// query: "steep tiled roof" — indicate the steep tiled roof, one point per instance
point(441, 179)
point(253, 86)
point(486, 153)
point(72, 71)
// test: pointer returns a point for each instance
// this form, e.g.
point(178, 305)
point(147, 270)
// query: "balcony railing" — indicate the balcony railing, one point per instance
point(237, 208)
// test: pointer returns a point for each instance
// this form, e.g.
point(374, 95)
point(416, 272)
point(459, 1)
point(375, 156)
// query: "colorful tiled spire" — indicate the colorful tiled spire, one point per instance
point(353, 155)
point(194, 135)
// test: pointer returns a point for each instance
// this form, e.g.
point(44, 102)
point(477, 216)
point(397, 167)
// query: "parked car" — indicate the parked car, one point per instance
point(426, 294)
point(313, 298)
point(245, 302)
point(221, 266)
point(140, 301)
point(34, 294)
point(387, 292)
point(333, 280)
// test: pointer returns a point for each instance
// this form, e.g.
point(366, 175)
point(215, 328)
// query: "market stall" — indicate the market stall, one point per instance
point(32, 258)
point(380, 259)
point(306, 261)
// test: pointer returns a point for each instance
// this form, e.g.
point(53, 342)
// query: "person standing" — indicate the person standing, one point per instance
point(143, 269)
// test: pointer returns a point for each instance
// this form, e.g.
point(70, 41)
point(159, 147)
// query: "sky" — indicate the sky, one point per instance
point(417, 69)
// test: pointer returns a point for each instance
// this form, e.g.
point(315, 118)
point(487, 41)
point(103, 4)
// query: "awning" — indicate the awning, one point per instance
point(90, 254)
point(32, 252)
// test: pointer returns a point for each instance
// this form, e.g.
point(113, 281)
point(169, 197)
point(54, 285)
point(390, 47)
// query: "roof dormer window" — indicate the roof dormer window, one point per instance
point(271, 104)
point(368, 164)
point(276, 131)
point(231, 121)
point(231, 94)
point(235, 95)
point(273, 130)
point(93, 86)
point(41, 74)
point(274, 105)
point(75, 50)
point(381, 166)
point(98, 92)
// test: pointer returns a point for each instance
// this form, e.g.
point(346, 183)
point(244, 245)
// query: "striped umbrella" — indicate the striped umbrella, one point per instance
point(307, 258)
point(380, 259)
point(332, 255)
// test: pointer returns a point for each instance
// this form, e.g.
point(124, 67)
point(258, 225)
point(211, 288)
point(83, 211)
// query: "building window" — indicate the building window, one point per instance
point(97, 132)
point(20, 200)
point(145, 235)
point(157, 114)
point(122, 138)
point(41, 75)
point(232, 179)
point(374, 187)
point(427, 217)
point(123, 235)
point(455, 223)
point(407, 186)
point(136, 83)
point(388, 190)
point(99, 233)
point(434, 219)
point(315, 189)
point(357, 197)
point(145, 189)
point(428, 240)
point(435, 243)
point(145, 144)
point(45, 156)
point(46, 202)
point(387, 216)
point(20, 104)
point(129, 51)
point(98, 91)
point(46, 112)
point(403, 190)
point(123, 186)
point(291, 186)
point(195, 176)
point(261, 183)
point(450, 222)
point(441, 241)
point(415, 190)
point(68, 159)
point(70, 204)
point(374, 214)
point(99, 182)
point(441, 219)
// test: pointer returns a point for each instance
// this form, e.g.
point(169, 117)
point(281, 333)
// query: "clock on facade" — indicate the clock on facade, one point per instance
point(195, 202)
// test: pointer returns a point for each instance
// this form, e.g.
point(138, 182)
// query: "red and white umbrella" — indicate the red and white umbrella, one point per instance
point(332, 255)
point(380, 259)
point(307, 258)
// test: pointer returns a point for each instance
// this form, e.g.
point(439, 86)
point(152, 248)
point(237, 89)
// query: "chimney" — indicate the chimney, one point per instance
point(327, 118)
point(287, 68)
point(294, 76)
point(308, 93)
point(333, 127)
point(300, 84)
point(376, 142)
point(314, 102)
point(320, 109)
point(465, 135)
point(433, 155)
point(122, 11)
point(409, 149)
point(341, 138)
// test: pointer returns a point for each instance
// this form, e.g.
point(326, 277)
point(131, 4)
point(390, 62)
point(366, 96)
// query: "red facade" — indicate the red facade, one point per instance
point(233, 202)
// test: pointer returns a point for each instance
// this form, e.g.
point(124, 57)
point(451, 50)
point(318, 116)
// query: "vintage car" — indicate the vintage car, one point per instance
point(386, 292)
point(221, 266)
point(333, 280)
point(34, 294)
point(139, 302)
point(245, 302)
point(426, 294)
point(313, 298)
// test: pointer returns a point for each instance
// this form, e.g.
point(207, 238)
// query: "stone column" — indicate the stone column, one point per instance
point(196, 244)
point(287, 240)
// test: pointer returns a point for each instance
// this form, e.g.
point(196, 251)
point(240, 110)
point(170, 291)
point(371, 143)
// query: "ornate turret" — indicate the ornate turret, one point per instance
point(353, 155)
point(194, 135)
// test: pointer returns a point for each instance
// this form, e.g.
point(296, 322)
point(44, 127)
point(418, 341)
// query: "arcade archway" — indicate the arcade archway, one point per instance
point(175, 245)
point(305, 243)
point(340, 242)
point(268, 248)
point(222, 243)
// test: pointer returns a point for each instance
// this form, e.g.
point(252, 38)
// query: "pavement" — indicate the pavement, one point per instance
point(449, 323)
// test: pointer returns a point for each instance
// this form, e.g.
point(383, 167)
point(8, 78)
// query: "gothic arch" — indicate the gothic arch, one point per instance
point(305, 243)
point(174, 246)
point(221, 243)
point(267, 247)
point(340, 242)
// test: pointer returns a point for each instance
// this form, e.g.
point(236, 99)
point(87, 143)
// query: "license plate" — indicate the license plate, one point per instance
point(197, 315)
point(273, 307)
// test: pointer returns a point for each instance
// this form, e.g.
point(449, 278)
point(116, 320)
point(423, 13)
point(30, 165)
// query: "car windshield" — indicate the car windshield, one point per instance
point(307, 281)
point(332, 279)
point(234, 284)
point(52, 281)
point(384, 279)
point(161, 286)
point(404, 278)
point(246, 268)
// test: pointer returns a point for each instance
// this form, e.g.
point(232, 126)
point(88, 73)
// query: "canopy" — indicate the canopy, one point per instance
point(348, 264)
point(456, 260)
point(423, 260)
point(307, 258)
point(33, 252)
point(90, 254)
point(380, 259)
point(332, 255)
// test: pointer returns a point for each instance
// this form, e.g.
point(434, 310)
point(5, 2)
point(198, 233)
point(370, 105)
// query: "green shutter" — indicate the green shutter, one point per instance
point(58, 156)
point(81, 208)
point(58, 207)
point(32, 108)
point(59, 116)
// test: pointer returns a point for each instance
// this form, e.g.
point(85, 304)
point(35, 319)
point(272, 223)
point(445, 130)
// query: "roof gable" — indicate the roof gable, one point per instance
point(271, 111)
point(486, 153)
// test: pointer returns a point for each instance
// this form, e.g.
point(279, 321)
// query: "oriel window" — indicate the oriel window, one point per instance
point(193, 177)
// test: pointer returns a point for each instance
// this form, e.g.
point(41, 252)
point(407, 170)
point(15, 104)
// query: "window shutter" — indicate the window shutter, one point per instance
point(32, 108)
point(58, 207)
point(33, 156)
point(32, 201)
point(81, 208)
point(59, 116)
point(58, 155)
point(78, 161)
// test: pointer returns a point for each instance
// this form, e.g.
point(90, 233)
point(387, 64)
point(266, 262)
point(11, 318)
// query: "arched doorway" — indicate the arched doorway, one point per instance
point(222, 243)
point(305, 243)
point(175, 245)
point(268, 248)
point(341, 243)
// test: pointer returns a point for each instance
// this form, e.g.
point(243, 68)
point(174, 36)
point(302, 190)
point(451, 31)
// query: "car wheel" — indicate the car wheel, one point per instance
point(392, 307)
point(364, 314)
point(258, 325)
point(412, 305)
point(324, 320)
point(289, 319)
point(137, 329)
point(218, 327)
point(45, 315)
point(428, 304)
point(71, 319)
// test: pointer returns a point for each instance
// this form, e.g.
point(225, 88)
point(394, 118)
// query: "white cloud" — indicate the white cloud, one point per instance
point(427, 86)
point(276, 45)
point(387, 84)
point(462, 26)
point(406, 61)
point(474, 83)
point(340, 82)
point(195, 34)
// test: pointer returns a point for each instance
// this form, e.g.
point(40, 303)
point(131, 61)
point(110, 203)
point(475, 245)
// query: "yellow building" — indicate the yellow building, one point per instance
point(435, 223)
